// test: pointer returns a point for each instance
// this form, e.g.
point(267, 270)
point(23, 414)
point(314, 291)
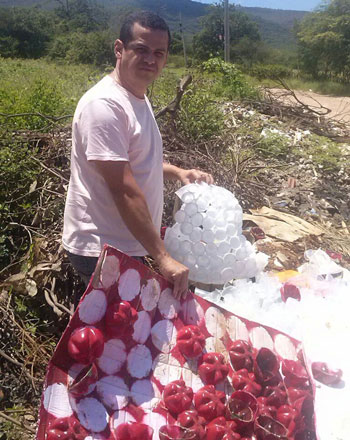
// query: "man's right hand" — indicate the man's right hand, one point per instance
point(176, 273)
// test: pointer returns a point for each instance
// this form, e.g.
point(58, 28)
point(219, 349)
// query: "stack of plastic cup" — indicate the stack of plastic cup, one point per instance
point(207, 236)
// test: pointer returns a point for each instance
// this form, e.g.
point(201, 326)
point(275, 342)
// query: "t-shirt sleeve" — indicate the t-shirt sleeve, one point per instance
point(104, 130)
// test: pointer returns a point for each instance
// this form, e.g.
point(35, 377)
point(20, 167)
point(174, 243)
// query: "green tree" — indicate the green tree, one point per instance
point(209, 41)
point(25, 32)
point(324, 40)
point(84, 48)
point(176, 46)
point(81, 16)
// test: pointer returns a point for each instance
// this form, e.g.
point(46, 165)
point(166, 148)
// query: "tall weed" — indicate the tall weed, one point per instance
point(29, 86)
point(229, 81)
point(200, 116)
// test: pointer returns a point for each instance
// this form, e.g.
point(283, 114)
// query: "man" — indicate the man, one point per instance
point(115, 193)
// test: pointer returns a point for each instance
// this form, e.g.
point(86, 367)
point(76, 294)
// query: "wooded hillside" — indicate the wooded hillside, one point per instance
point(275, 26)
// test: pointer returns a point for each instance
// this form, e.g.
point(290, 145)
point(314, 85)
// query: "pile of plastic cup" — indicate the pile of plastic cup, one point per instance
point(207, 236)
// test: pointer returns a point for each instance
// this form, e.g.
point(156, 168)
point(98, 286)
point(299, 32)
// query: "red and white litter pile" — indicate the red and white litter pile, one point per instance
point(312, 305)
point(136, 364)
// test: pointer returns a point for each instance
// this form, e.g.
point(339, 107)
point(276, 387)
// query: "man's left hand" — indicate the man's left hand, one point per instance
point(192, 176)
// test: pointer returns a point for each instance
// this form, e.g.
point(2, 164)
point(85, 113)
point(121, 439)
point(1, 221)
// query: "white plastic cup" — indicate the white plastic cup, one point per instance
point(173, 245)
point(251, 267)
point(227, 274)
point(180, 216)
point(240, 269)
point(235, 242)
point(170, 233)
point(231, 229)
point(242, 239)
point(185, 247)
point(208, 236)
point(190, 261)
point(249, 248)
point(187, 197)
point(190, 209)
point(241, 253)
point(216, 263)
point(193, 273)
point(175, 231)
point(211, 212)
point(178, 256)
point(198, 248)
point(229, 259)
point(197, 219)
point(202, 203)
point(203, 261)
point(196, 234)
point(208, 222)
point(186, 228)
point(223, 248)
point(211, 249)
point(202, 275)
point(220, 222)
point(220, 234)
point(229, 212)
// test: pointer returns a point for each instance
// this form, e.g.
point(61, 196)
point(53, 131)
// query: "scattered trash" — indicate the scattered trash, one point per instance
point(311, 305)
point(281, 204)
point(280, 225)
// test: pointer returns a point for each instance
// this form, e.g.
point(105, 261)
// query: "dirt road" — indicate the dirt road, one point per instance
point(339, 106)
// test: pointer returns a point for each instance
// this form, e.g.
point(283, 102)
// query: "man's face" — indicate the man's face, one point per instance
point(142, 59)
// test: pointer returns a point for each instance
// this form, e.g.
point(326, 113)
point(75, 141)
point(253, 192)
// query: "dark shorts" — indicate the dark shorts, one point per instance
point(85, 267)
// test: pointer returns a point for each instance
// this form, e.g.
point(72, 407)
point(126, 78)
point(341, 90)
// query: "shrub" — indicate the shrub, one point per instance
point(274, 145)
point(25, 32)
point(217, 65)
point(199, 117)
point(270, 71)
point(230, 81)
point(325, 153)
point(38, 86)
point(18, 172)
point(84, 48)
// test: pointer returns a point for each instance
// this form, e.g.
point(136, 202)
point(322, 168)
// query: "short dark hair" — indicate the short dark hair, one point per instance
point(146, 19)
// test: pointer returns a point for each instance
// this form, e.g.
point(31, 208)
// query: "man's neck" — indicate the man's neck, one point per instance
point(137, 91)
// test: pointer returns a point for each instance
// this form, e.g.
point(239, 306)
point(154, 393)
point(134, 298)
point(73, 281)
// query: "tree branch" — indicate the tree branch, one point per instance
point(47, 117)
point(16, 422)
point(175, 103)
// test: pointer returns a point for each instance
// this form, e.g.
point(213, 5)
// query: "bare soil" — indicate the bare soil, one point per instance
point(332, 107)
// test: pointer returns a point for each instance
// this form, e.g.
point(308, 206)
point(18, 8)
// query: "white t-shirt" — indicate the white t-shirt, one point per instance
point(110, 124)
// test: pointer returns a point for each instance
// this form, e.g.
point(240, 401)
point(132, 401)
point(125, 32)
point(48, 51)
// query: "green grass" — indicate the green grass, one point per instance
point(30, 86)
point(176, 62)
point(40, 86)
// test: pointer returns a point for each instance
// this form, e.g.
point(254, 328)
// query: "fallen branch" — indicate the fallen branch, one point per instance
point(40, 115)
point(8, 358)
point(313, 109)
point(49, 169)
point(175, 103)
point(18, 364)
point(51, 299)
point(17, 423)
point(27, 336)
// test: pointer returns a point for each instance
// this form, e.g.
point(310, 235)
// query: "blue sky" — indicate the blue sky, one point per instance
point(295, 5)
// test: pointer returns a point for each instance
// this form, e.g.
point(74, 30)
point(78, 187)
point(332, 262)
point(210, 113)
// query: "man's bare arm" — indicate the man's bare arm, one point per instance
point(133, 209)
point(171, 172)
